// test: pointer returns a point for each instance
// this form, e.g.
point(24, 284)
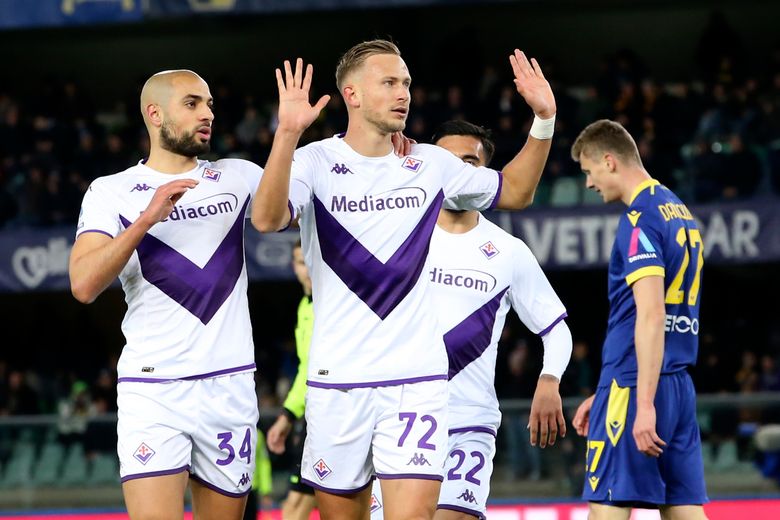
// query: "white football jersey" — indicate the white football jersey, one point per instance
point(366, 224)
point(185, 284)
point(476, 277)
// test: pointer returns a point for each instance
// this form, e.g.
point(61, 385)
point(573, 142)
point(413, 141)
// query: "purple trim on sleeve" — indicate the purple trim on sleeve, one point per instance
point(417, 476)
point(292, 217)
point(334, 491)
point(94, 231)
point(472, 512)
point(498, 191)
point(220, 490)
point(372, 384)
point(162, 473)
point(548, 329)
point(207, 375)
point(465, 429)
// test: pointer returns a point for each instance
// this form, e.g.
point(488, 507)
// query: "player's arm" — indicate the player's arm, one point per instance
point(546, 419)
point(97, 259)
point(649, 340)
point(269, 210)
point(522, 173)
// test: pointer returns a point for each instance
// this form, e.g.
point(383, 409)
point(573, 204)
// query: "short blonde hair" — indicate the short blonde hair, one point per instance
point(605, 136)
point(357, 55)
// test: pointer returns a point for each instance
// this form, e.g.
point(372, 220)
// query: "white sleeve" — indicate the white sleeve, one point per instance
point(533, 298)
point(557, 350)
point(468, 187)
point(539, 308)
point(251, 173)
point(97, 214)
point(301, 184)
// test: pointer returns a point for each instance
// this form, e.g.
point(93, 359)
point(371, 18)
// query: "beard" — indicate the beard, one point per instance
point(186, 144)
point(385, 126)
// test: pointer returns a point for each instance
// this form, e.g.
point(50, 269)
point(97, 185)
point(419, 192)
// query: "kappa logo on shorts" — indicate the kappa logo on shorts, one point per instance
point(212, 175)
point(418, 460)
point(412, 164)
point(489, 250)
point(376, 505)
point(244, 480)
point(468, 496)
point(321, 469)
point(143, 453)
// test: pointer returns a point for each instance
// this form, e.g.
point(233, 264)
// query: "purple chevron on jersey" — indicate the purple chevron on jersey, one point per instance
point(381, 286)
point(200, 291)
point(467, 340)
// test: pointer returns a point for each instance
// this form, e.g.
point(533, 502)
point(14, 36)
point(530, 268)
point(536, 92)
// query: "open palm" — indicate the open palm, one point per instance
point(532, 85)
point(295, 111)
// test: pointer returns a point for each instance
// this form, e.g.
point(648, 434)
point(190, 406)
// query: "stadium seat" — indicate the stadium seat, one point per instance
point(565, 192)
point(46, 470)
point(74, 469)
point(18, 470)
point(726, 457)
point(104, 470)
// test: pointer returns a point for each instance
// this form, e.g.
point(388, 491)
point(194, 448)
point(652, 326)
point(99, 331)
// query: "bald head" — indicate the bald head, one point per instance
point(159, 88)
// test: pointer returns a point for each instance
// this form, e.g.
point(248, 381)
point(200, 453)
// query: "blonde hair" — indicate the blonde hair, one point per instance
point(357, 55)
point(605, 136)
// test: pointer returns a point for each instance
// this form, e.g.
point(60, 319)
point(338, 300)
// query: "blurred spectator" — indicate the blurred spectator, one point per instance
point(74, 413)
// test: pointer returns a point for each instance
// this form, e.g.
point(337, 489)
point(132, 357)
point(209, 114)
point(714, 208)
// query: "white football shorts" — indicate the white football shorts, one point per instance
point(467, 473)
point(206, 426)
point(393, 432)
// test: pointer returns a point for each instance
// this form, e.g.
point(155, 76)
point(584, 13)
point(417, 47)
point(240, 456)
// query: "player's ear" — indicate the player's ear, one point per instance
point(610, 162)
point(153, 114)
point(351, 97)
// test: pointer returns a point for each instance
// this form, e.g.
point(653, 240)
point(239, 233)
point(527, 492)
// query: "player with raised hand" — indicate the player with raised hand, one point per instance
point(377, 397)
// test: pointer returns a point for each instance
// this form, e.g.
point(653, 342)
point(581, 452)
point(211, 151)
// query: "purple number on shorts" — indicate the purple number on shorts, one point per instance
point(409, 417)
point(481, 464)
point(245, 452)
point(225, 437)
point(451, 474)
point(423, 444)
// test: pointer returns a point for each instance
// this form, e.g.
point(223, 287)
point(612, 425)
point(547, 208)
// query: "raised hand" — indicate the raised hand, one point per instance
point(295, 112)
point(165, 198)
point(532, 85)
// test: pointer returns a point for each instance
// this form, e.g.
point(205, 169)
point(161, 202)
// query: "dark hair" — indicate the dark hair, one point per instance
point(354, 57)
point(460, 127)
point(605, 136)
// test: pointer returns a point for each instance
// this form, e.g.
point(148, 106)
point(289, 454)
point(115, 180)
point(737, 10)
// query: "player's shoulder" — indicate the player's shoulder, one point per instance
point(500, 238)
point(232, 164)
point(431, 151)
point(654, 206)
point(108, 182)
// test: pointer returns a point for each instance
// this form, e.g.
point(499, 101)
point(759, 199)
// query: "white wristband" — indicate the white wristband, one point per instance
point(542, 128)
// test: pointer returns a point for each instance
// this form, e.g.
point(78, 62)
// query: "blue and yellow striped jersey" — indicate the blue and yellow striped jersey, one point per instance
point(657, 236)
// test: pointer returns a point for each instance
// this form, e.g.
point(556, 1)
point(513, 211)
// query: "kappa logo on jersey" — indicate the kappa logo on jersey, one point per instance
point(418, 460)
point(321, 469)
point(142, 187)
point(376, 505)
point(244, 480)
point(412, 164)
point(143, 453)
point(639, 247)
point(341, 169)
point(489, 250)
point(468, 496)
point(212, 175)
